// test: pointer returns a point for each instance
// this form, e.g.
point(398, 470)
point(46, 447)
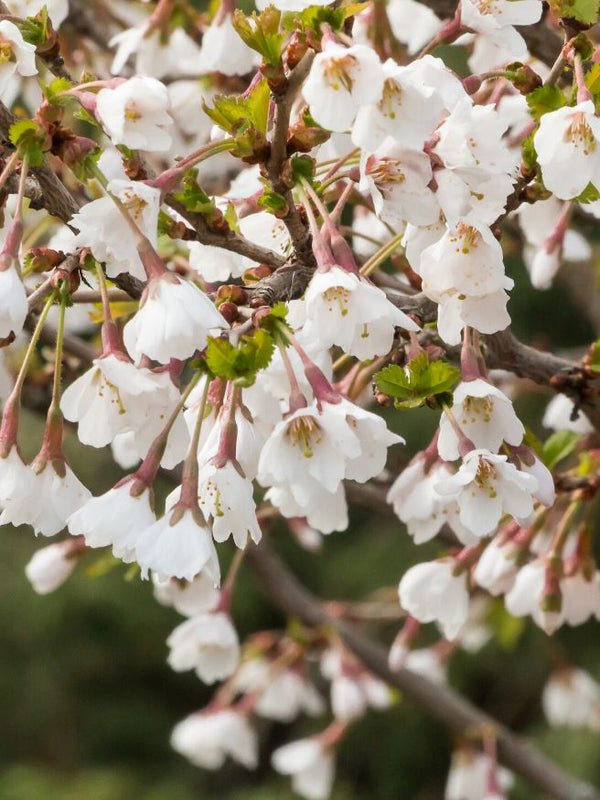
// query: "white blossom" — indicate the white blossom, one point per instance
point(397, 180)
point(187, 597)
point(559, 416)
point(226, 496)
point(102, 228)
point(484, 414)
point(487, 486)
point(173, 321)
point(527, 597)
point(468, 778)
point(206, 739)
point(431, 592)
point(310, 764)
point(567, 144)
point(178, 545)
point(50, 567)
point(571, 697)
point(424, 511)
point(136, 114)
point(58, 493)
point(57, 9)
point(13, 302)
point(224, 51)
point(207, 643)
point(283, 693)
point(16, 55)
point(347, 310)
point(115, 518)
point(340, 81)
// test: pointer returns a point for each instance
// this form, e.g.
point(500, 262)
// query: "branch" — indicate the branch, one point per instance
point(297, 227)
point(505, 351)
point(441, 702)
point(56, 198)
point(227, 239)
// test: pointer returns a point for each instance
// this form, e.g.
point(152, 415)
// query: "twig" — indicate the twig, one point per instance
point(297, 227)
point(441, 702)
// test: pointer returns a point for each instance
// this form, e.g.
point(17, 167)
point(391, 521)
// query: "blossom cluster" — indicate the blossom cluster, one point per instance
point(247, 273)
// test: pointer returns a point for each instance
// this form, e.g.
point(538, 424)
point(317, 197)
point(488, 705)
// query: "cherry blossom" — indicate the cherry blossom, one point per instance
point(17, 54)
point(50, 567)
point(433, 592)
point(345, 309)
point(206, 739)
point(135, 114)
point(566, 144)
point(341, 80)
point(485, 416)
point(486, 486)
point(207, 643)
point(310, 764)
point(173, 321)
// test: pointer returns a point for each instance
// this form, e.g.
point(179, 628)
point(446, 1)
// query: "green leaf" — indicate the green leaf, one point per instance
point(35, 29)
point(54, 90)
point(558, 446)
point(546, 98)
point(261, 33)
point(314, 17)
point(240, 363)
point(419, 380)
point(584, 11)
point(589, 195)
point(235, 113)
point(274, 203)
point(193, 197)
point(29, 138)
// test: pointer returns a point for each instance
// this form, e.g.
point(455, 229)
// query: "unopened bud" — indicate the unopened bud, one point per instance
point(231, 293)
point(69, 277)
point(229, 311)
point(296, 49)
point(256, 274)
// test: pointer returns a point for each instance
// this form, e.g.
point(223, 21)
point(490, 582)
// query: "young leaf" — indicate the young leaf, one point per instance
point(558, 446)
point(261, 33)
point(30, 139)
point(546, 98)
point(240, 363)
point(584, 11)
point(419, 380)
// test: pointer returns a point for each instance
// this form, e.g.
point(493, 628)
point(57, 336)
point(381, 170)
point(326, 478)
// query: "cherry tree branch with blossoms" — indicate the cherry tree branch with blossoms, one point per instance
point(228, 241)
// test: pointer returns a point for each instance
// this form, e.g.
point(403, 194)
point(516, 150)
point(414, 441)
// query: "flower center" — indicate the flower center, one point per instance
point(468, 235)
point(474, 407)
point(337, 295)
point(337, 74)
point(484, 477)
point(391, 99)
point(134, 204)
point(386, 173)
point(131, 112)
point(302, 431)
point(6, 52)
point(580, 134)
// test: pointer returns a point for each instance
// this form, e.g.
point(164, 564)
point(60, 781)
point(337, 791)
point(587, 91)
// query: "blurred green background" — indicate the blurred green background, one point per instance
point(89, 702)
